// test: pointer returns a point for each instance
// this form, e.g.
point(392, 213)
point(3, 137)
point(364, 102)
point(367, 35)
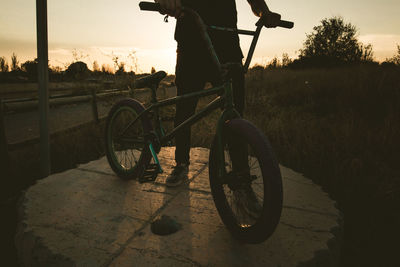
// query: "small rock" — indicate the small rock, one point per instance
point(165, 226)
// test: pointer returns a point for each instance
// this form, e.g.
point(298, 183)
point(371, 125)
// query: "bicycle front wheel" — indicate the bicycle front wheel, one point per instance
point(126, 149)
point(245, 182)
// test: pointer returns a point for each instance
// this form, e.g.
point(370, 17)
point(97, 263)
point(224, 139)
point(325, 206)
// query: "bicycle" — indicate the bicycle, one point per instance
point(244, 175)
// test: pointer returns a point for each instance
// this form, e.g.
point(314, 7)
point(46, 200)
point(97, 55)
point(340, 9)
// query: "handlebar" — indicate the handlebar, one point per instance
point(150, 6)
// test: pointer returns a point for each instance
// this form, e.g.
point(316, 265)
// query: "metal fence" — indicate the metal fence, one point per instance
point(91, 96)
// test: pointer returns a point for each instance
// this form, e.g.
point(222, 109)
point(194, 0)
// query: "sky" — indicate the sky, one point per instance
point(101, 29)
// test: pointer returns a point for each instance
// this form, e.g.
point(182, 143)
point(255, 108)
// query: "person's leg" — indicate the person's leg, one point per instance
point(188, 79)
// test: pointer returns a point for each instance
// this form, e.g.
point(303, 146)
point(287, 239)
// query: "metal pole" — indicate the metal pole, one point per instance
point(43, 79)
point(4, 158)
point(94, 106)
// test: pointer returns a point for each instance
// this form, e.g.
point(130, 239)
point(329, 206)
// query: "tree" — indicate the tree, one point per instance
point(78, 55)
point(14, 63)
point(274, 64)
point(105, 68)
point(286, 60)
point(3, 64)
point(77, 70)
point(121, 68)
point(334, 42)
point(30, 67)
point(96, 67)
point(396, 58)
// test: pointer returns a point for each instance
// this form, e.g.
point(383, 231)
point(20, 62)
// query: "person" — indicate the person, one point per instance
point(193, 66)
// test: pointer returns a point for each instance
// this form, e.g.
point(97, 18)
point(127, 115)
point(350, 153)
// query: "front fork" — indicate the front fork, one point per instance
point(229, 113)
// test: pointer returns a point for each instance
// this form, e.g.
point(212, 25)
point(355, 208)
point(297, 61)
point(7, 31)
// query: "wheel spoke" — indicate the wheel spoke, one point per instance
point(238, 201)
point(248, 165)
point(126, 141)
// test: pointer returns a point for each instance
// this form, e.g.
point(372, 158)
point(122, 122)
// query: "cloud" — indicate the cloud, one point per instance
point(384, 45)
point(60, 52)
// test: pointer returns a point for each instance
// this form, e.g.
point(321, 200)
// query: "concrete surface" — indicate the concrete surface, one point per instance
point(90, 217)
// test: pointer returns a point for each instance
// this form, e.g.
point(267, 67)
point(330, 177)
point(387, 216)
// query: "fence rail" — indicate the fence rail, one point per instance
point(27, 99)
point(90, 96)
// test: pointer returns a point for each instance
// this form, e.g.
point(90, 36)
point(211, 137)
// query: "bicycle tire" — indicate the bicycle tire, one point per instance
point(121, 114)
point(267, 218)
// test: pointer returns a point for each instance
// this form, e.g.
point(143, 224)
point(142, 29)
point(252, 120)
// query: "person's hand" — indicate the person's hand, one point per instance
point(270, 19)
point(172, 8)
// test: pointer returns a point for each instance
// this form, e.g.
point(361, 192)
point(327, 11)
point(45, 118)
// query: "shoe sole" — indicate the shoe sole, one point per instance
point(169, 184)
point(174, 184)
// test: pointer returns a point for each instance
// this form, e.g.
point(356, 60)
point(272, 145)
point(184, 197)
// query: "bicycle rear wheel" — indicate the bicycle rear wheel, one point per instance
point(126, 148)
point(246, 185)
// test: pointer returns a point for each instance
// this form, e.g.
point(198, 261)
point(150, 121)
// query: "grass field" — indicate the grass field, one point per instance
point(340, 127)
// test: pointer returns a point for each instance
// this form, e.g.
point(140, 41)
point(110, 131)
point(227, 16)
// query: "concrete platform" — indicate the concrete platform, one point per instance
point(90, 217)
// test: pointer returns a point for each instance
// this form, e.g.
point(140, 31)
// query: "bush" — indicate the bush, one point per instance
point(31, 69)
point(3, 64)
point(333, 43)
point(77, 71)
point(341, 128)
point(393, 61)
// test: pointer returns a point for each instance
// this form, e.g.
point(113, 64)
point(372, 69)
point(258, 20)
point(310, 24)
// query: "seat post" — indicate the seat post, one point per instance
point(154, 88)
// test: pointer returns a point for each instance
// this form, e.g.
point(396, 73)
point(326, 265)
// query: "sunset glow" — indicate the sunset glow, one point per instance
point(97, 30)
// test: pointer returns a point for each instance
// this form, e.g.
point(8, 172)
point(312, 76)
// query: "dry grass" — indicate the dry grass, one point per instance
point(340, 127)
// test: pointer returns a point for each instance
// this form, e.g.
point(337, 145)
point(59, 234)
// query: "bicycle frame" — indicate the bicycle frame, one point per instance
point(224, 101)
point(224, 86)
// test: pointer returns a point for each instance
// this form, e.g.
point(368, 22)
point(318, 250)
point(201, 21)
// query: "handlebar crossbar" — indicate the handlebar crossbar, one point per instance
point(150, 6)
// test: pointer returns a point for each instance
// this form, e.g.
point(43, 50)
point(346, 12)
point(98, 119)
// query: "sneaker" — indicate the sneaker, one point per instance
point(178, 174)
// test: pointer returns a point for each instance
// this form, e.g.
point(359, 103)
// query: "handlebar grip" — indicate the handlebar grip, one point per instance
point(286, 24)
point(149, 6)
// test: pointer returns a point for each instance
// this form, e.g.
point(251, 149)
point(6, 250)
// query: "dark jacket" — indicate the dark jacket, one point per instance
point(213, 12)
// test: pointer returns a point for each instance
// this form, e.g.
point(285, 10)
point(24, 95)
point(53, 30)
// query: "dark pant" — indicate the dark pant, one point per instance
point(192, 72)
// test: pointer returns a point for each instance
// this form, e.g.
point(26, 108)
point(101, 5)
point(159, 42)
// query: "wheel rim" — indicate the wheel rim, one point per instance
point(125, 145)
point(243, 191)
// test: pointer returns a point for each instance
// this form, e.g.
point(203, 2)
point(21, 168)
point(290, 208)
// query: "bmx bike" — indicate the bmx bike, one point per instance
point(244, 175)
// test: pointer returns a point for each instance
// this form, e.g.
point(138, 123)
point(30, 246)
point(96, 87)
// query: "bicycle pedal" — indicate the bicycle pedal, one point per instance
point(150, 174)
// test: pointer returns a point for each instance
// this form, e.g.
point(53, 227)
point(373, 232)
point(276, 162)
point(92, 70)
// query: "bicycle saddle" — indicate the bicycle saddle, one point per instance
point(150, 80)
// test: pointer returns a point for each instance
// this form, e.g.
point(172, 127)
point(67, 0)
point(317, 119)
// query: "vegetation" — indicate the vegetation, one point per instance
point(332, 43)
point(77, 71)
point(3, 65)
point(30, 68)
point(14, 63)
point(96, 67)
point(341, 128)
point(395, 60)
